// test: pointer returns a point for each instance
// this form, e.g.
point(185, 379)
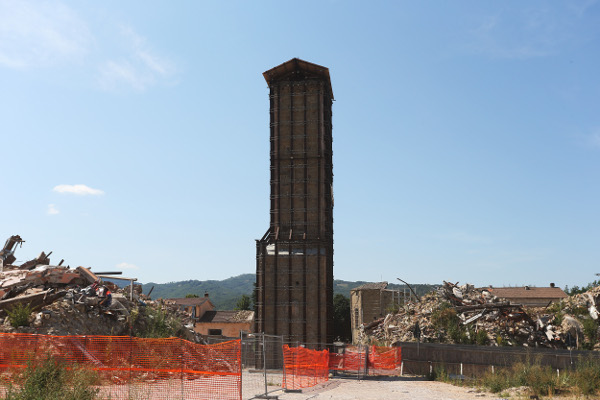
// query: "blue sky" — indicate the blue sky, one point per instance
point(466, 135)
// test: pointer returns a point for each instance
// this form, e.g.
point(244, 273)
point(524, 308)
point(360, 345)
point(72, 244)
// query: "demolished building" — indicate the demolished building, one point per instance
point(369, 302)
point(466, 315)
point(59, 300)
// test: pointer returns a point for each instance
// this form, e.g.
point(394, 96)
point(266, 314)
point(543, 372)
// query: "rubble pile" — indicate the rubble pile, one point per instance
point(65, 301)
point(464, 314)
point(590, 300)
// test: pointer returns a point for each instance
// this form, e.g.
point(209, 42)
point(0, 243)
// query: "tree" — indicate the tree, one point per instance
point(244, 303)
point(191, 296)
point(341, 318)
point(577, 290)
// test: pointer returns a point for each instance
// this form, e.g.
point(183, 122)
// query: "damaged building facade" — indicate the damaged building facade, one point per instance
point(370, 302)
point(294, 258)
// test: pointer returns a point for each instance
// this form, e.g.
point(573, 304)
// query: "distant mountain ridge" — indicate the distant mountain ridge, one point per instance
point(225, 293)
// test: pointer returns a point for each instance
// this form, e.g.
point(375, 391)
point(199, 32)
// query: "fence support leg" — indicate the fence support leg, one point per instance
point(402, 368)
point(264, 354)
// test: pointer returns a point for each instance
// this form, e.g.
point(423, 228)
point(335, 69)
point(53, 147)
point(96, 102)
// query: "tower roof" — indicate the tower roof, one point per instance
point(295, 66)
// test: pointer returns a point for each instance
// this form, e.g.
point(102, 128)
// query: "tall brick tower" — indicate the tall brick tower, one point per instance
point(294, 259)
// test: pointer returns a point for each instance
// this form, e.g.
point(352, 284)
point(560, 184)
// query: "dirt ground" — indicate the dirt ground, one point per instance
point(375, 388)
point(390, 388)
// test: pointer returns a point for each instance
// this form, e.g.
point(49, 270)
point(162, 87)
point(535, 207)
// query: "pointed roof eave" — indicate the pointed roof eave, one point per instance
point(296, 64)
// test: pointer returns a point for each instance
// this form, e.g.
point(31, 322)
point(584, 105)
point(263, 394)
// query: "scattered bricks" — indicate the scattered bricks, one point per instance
point(64, 278)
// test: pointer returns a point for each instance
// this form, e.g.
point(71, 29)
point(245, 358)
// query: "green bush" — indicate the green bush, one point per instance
point(439, 373)
point(498, 381)
point(590, 330)
point(53, 381)
point(580, 311)
point(445, 319)
point(586, 376)
point(558, 318)
point(444, 316)
point(18, 315)
point(500, 341)
point(556, 309)
point(151, 323)
point(541, 380)
point(481, 338)
point(455, 333)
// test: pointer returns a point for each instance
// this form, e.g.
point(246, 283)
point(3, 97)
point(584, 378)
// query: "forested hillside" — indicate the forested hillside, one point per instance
point(224, 294)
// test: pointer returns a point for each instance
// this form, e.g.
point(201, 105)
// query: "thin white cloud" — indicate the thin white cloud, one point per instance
point(40, 34)
point(112, 73)
point(80, 190)
point(139, 68)
point(52, 210)
point(125, 265)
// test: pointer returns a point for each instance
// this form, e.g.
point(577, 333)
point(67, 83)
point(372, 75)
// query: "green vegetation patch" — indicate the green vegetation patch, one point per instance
point(19, 314)
point(152, 323)
point(52, 380)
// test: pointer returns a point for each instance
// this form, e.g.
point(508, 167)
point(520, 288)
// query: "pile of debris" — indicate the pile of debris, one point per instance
point(65, 301)
point(465, 314)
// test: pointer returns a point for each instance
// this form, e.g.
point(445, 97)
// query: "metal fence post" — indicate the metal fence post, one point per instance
point(367, 361)
point(284, 377)
point(264, 351)
point(241, 361)
point(129, 382)
point(182, 357)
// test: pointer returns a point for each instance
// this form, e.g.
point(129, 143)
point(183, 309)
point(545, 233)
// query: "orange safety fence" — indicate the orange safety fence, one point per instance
point(129, 367)
point(384, 359)
point(351, 360)
point(304, 368)
point(373, 360)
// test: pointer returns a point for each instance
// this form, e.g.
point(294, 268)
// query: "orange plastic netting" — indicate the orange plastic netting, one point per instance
point(352, 360)
point(304, 368)
point(384, 358)
point(373, 360)
point(129, 367)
